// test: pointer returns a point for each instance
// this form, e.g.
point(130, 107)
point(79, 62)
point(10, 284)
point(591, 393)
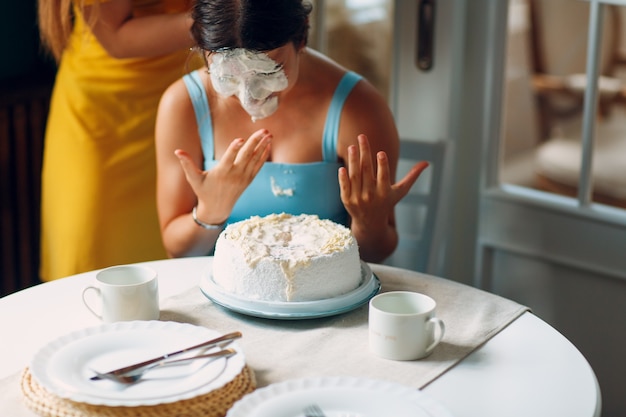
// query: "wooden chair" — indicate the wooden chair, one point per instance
point(558, 39)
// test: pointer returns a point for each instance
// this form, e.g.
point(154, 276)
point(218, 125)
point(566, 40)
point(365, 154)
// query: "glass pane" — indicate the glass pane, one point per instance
point(358, 35)
point(544, 93)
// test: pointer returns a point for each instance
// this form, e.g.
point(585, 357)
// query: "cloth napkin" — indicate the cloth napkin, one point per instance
point(278, 350)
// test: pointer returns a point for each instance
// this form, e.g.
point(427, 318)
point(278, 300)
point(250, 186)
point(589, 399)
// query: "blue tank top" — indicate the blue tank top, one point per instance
point(307, 188)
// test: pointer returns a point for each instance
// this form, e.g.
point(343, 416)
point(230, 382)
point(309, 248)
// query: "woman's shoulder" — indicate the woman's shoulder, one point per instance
point(326, 71)
point(366, 111)
point(178, 93)
point(176, 105)
point(321, 69)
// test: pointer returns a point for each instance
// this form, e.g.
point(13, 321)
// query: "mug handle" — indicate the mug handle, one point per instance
point(87, 304)
point(438, 323)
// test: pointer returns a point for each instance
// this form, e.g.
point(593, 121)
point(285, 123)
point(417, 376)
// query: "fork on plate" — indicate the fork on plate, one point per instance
point(137, 374)
point(313, 410)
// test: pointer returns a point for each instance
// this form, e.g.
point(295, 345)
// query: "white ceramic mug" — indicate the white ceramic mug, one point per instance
point(403, 326)
point(126, 292)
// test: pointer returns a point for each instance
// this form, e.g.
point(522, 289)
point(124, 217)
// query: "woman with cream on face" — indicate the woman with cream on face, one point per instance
point(270, 126)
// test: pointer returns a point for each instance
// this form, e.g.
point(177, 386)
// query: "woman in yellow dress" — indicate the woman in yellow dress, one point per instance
point(115, 58)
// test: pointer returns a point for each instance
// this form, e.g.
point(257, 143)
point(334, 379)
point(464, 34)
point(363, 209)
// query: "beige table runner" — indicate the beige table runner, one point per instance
point(277, 350)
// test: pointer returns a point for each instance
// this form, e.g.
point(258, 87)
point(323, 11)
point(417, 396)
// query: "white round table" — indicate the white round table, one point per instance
point(528, 369)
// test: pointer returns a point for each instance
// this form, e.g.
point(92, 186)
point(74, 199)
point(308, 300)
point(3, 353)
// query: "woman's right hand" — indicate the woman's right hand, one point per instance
point(219, 188)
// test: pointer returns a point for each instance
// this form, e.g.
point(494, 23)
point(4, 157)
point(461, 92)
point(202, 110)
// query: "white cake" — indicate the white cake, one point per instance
point(282, 257)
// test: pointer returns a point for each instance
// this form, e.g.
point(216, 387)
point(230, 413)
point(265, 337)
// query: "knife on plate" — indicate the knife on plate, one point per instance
point(219, 341)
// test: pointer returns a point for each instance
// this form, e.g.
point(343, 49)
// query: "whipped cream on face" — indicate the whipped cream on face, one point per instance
point(251, 76)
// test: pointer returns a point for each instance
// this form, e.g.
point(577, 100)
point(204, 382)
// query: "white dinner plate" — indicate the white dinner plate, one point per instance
point(293, 310)
point(338, 397)
point(64, 366)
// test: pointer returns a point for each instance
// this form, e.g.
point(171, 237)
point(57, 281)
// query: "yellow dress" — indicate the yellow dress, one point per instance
point(99, 170)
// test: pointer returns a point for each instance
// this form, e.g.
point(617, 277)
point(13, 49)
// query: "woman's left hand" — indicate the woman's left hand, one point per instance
point(367, 193)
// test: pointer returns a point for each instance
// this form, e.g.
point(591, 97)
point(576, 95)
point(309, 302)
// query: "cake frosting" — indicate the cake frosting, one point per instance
point(282, 257)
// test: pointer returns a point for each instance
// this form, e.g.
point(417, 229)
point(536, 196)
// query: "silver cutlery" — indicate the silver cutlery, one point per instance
point(136, 374)
point(313, 410)
point(221, 341)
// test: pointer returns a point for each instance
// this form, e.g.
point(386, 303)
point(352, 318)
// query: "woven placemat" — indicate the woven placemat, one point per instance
point(214, 404)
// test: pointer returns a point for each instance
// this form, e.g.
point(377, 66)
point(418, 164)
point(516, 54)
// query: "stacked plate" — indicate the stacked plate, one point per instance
point(64, 367)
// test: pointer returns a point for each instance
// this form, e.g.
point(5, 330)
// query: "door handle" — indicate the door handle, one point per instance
point(425, 34)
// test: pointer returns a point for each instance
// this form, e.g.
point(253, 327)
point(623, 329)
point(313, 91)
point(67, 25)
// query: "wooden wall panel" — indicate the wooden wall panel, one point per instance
point(23, 113)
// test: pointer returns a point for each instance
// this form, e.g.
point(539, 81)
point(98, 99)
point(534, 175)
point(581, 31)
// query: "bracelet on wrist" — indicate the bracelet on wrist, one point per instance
point(203, 224)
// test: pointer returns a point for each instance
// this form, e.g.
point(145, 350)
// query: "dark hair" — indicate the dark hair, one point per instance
point(257, 25)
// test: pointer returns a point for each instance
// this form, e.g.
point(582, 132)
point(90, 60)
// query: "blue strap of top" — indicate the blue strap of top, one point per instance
point(331, 127)
point(203, 114)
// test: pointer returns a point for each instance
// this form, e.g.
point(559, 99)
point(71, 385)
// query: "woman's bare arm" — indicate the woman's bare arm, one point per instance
point(126, 36)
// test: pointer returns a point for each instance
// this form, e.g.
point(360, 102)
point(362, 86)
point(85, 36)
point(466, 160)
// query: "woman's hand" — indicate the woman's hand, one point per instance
point(219, 188)
point(370, 198)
